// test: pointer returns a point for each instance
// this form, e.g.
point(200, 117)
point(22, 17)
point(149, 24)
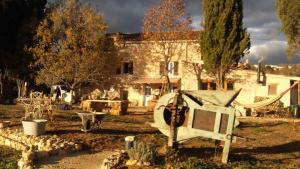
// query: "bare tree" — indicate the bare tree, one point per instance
point(165, 28)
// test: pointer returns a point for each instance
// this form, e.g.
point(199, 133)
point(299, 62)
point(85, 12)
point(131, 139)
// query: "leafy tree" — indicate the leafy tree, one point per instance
point(70, 46)
point(164, 25)
point(223, 41)
point(288, 12)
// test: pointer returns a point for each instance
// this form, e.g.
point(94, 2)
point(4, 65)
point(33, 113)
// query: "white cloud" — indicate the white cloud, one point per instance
point(267, 50)
point(271, 52)
point(196, 24)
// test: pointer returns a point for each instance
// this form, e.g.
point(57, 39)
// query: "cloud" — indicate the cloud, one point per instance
point(259, 17)
point(196, 24)
point(271, 52)
point(127, 16)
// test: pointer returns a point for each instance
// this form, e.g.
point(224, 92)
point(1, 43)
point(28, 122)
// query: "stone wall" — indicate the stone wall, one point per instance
point(34, 147)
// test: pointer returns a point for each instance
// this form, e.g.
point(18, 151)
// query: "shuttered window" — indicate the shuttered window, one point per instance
point(128, 67)
point(161, 68)
point(230, 86)
point(175, 68)
point(272, 89)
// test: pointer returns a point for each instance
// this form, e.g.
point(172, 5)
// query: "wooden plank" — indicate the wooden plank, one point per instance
point(105, 101)
point(269, 119)
point(217, 122)
point(223, 123)
point(230, 126)
point(204, 120)
point(225, 153)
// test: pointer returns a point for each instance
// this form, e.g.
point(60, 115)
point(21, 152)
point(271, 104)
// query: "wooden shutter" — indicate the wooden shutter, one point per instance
point(161, 68)
point(175, 66)
point(118, 70)
point(272, 89)
point(130, 67)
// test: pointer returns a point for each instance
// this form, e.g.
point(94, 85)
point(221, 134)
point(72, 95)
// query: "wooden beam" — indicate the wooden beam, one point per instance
point(298, 91)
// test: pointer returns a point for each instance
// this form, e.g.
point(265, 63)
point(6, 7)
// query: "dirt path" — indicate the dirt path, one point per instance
point(82, 160)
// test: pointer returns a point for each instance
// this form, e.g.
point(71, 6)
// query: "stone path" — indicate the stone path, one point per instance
point(82, 160)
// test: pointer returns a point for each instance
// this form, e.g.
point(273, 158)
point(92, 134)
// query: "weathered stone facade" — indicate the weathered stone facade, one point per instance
point(139, 70)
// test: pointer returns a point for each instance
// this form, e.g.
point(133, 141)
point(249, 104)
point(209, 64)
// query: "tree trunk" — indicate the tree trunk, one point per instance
point(220, 79)
point(71, 93)
point(1, 85)
point(24, 90)
point(22, 87)
point(19, 85)
point(199, 80)
point(169, 88)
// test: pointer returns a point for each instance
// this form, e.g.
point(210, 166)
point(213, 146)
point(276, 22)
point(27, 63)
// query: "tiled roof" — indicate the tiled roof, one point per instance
point(193, 35)
point(154, 80)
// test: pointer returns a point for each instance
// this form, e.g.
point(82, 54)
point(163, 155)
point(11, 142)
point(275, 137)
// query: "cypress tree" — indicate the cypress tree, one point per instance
point(223, 41)
point(288, 13)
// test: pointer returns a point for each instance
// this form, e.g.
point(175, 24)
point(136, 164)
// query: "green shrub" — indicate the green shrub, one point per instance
point(142, 152)
point(195, 163)
point(9, 158)
point(173, 160)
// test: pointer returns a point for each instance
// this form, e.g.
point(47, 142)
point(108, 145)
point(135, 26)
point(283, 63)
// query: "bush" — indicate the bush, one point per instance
point(9, 158)
point(142, 152)
point(173, 161)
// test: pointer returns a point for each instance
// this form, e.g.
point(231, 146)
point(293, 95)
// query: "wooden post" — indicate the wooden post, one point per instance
point(172, 141)
point(298, 91)
point(172, 136)
point(228, 140)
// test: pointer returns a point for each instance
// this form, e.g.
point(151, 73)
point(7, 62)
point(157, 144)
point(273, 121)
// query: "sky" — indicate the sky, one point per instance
point(260, 19)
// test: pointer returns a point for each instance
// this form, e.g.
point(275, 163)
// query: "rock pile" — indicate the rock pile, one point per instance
point(36, 146)
point(113, 160)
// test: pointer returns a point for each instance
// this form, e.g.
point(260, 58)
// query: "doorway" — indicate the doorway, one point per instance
point(294, 94)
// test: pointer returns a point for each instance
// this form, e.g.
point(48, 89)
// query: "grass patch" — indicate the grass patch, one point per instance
point(11, 111)
point(262, 130)
point(122, 119)
point(9, 158)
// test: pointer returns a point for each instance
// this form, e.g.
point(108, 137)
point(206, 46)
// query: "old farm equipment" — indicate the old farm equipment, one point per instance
point(90, 120)
point(189, 114)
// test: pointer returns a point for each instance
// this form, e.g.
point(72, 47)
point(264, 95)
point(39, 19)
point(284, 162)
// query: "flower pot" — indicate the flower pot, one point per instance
point(34, 127)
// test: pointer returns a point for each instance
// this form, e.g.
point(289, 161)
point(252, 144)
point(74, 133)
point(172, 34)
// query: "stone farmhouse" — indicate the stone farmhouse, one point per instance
point(139, 78)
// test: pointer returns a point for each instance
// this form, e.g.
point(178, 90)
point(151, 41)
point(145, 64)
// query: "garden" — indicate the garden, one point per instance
point(261, 143)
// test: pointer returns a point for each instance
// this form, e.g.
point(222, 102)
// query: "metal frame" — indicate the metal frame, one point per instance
point(188, 132)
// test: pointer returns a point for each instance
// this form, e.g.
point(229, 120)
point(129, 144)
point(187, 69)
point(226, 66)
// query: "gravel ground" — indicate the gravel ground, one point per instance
point(82, 160)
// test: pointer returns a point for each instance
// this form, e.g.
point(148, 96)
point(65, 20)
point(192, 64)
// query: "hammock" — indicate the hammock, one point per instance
point(264, 103)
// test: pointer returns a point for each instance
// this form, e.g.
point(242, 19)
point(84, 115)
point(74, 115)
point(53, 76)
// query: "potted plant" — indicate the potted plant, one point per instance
point(34, 122)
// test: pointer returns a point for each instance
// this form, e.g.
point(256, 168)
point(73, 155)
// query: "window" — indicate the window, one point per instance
point(230, 86)
point(125, 95)
point(272, 89)
point(204, 86)
point(125, 68)
point(147, 90)
point(128, 67)
point(172, 68)
point(213, 86)
point(118, 71)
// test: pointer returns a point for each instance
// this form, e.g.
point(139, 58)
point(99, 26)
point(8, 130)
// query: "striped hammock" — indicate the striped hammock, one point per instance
point(263, 103)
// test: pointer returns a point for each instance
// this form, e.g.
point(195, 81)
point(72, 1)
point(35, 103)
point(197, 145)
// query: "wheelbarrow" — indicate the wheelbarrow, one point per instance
point(90, 120)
